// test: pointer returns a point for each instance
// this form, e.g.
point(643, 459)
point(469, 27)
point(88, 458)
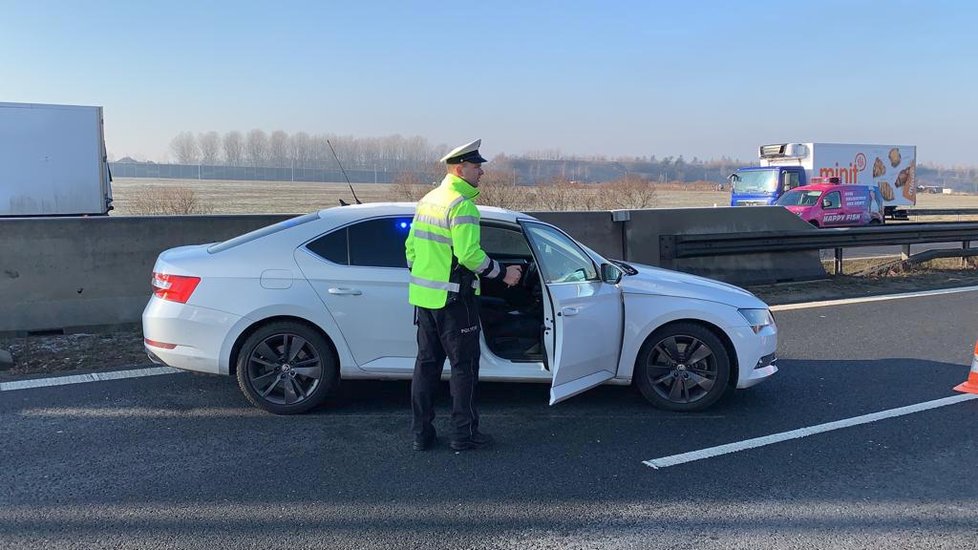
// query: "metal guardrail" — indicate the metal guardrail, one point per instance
point(672, 247)
point(941, 211)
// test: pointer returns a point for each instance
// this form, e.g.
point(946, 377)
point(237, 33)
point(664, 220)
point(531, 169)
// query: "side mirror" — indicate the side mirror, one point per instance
point(826, 203)
point(611, 274)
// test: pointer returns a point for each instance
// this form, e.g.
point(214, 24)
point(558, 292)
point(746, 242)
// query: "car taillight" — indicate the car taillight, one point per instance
point(175, 288)
point(156, 344)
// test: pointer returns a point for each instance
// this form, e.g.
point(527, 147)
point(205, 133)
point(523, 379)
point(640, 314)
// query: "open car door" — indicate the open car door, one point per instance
point(582, 314)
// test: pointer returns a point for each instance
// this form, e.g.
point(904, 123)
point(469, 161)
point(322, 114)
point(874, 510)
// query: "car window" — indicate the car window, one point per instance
point(504, 243)
point(799, 198)
point(793, 180)
point(379, 243)
point(375, 243)
point(831, 200)
point(332, 246)
point(560, 258)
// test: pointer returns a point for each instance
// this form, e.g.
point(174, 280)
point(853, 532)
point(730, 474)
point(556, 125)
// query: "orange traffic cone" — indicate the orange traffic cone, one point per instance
point(971, 384)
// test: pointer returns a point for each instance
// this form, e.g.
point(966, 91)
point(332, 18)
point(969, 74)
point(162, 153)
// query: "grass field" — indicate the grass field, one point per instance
point(254, 197)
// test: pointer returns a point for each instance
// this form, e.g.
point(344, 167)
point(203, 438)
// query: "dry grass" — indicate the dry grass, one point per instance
point(276, 197)
point(283, 197)
point(937, 200)
point(246, 197)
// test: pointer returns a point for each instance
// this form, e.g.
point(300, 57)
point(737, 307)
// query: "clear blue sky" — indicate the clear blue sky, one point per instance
point(697, 78)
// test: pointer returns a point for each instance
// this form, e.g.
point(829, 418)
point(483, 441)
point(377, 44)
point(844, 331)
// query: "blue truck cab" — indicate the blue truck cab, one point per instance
point(764, 185)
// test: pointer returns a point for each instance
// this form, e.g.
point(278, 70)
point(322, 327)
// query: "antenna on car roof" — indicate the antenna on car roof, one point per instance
point(344, 175)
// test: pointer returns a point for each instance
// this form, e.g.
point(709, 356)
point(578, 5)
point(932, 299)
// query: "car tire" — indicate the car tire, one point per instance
point(287, 367)
point(667, 379)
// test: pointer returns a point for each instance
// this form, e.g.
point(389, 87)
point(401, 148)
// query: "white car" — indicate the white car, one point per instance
point(293, 308)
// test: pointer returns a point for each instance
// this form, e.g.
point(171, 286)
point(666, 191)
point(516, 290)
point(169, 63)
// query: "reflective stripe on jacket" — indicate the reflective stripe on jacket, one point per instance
point(445, 225)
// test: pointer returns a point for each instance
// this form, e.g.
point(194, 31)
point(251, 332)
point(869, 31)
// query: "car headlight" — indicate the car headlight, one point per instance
point(757, 318)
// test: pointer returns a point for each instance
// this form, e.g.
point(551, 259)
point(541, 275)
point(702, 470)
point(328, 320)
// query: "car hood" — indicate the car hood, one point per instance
point(797, 209)
point(664, 282)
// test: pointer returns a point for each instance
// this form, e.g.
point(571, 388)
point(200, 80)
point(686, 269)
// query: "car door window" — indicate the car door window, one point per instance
point(374, 243)
point(791, 180)
point(560, 259)
point(831, 200)
point(499, 242)
point(379, 243)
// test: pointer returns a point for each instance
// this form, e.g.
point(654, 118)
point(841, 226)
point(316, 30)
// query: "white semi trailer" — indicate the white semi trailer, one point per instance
point(53, 161)
point(784, 166)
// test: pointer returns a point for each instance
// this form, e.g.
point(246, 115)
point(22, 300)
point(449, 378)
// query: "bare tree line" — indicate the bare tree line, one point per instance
point(301, 150)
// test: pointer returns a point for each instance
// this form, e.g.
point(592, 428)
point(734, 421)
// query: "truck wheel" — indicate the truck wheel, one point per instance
point(286, 368)
point(682, 367)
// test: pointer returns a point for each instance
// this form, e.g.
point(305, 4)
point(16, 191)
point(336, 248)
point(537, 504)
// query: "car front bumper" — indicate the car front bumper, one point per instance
point(756, 354)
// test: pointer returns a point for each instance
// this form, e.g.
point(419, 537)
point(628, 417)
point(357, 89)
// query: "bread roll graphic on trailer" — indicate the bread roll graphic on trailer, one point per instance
point(785, 166)
point(878, 168)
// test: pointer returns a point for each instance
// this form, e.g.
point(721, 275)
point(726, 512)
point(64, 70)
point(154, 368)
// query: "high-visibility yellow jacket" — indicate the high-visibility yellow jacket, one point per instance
point(445, 226)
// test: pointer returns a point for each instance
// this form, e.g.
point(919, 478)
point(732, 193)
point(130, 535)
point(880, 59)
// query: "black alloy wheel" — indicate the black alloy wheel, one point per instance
point(286, 368)
point(682, 367)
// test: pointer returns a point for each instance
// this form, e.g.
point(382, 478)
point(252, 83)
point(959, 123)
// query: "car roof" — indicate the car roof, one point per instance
point(353, 212)
point(829, 186)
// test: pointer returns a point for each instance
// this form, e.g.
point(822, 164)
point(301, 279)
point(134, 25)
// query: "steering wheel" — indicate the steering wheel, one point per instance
point(529, 276)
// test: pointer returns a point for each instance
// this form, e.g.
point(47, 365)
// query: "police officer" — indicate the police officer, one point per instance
point(446, 262)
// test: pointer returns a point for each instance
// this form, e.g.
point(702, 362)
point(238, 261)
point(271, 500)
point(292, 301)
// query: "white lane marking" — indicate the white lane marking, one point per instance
point(711, 452)
point(82, 378)
point(826, 303)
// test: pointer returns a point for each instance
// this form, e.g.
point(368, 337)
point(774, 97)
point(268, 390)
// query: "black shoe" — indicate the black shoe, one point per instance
point(477, 441)
point(424, 442)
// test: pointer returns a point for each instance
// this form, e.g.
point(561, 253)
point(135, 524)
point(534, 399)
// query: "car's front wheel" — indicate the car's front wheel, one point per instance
point(682, 367)
point(286, 368)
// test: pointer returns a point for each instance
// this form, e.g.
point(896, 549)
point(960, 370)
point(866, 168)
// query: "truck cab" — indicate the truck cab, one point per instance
point(763, 185)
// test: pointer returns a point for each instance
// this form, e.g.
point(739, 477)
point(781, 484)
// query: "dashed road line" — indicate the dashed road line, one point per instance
point(883, 298)
point(673, 460)
point(83, 378)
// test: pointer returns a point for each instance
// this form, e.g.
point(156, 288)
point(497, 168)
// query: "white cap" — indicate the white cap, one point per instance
point(465, 153)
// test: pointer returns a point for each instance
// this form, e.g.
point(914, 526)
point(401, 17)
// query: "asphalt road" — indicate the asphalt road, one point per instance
point(182, 461)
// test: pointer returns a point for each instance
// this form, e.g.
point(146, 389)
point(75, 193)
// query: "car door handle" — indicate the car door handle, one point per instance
point(345, 291)
point(568, 311)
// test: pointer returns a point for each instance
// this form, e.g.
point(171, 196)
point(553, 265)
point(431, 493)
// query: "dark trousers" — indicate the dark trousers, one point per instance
point(452, 332)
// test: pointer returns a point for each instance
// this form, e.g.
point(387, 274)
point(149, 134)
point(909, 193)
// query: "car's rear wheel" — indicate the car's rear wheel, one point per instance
point(682, 367)
point(286, 368)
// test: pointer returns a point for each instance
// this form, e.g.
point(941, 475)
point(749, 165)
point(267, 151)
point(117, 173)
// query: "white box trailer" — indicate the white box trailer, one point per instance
point(53, 161)
point(890, 167)
point(784, 166)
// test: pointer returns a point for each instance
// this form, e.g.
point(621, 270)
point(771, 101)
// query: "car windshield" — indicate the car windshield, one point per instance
point(799, 198)
point(754, 181)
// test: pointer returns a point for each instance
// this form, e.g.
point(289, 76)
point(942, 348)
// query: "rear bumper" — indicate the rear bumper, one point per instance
point(191, 336)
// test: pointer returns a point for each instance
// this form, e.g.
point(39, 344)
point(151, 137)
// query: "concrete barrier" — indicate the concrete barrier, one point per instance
point(644, 227)
point(71, 274)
